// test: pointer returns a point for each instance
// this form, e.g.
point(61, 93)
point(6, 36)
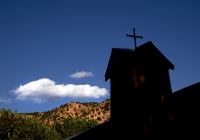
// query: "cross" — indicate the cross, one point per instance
point(134, 37)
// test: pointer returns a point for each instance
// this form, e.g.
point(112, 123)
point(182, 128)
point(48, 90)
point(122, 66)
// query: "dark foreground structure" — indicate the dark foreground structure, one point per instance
point(143, 106)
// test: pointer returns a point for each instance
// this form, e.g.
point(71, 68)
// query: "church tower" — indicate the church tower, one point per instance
point(140, 91)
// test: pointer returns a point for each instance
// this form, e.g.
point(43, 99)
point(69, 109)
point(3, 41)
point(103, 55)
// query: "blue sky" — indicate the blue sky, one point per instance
point(55, 52)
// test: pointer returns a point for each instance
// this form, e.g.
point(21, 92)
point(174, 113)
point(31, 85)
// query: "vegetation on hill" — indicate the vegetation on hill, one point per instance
point(19, 126)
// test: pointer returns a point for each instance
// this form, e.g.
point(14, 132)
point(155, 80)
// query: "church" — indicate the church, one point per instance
point(143, 106)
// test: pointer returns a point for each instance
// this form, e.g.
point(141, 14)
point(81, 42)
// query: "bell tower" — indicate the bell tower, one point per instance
point(140, 91)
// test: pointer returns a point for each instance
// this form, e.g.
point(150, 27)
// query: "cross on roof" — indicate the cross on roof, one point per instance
point(134, 36)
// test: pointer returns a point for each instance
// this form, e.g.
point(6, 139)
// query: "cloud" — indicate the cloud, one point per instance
point(81, 74)
point(5, 101)
point(45, 89)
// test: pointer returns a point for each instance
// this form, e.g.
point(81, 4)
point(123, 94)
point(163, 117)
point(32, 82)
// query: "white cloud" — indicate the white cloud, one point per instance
point(45, 89)
point(81, 74)
point(5, 101)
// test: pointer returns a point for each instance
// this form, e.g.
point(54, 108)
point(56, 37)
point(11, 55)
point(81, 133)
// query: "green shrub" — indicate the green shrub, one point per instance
point(62, 106)
point(62, 118)
point(97, 109)
point(98, 118)
point(85, 113)
point(92, 110)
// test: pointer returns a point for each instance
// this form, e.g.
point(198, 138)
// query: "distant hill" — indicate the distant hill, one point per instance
point(91, 110)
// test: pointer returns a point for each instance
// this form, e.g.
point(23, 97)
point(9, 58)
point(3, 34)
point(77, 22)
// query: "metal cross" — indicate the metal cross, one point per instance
point(134, 36)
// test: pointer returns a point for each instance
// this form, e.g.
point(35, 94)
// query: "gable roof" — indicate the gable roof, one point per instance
point(146, 55)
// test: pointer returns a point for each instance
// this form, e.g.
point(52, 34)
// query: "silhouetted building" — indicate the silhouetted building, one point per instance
point(138, 78)
point(141, 98)
point(186, 110)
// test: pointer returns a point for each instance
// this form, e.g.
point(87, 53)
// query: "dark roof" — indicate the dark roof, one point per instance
point(146, 55)
point(189, 93)
point(195, 86)
point(102, 129)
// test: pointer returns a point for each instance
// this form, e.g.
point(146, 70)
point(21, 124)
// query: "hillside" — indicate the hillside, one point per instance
point(91, 110)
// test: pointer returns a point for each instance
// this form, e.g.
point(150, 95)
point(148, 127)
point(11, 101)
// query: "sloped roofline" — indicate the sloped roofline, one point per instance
point(148, 47)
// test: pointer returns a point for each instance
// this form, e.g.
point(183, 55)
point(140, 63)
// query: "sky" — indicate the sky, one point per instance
point(55, 52)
